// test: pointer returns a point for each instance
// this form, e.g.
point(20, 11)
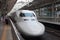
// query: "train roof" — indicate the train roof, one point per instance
point(26, 11)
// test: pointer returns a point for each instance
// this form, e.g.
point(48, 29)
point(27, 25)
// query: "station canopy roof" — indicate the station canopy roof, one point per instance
point(39, 3)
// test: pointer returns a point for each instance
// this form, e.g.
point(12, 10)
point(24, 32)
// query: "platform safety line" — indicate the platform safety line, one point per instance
point(15, 30)
point(4, 32)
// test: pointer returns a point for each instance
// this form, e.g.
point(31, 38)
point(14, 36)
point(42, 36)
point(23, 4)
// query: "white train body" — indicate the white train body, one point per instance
point(28, 24)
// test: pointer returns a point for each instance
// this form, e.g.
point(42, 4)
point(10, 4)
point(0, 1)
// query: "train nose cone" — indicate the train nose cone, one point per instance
point(32, 28)
point(38, 29)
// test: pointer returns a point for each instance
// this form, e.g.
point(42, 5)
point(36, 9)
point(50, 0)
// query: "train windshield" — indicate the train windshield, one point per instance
point(27, 15)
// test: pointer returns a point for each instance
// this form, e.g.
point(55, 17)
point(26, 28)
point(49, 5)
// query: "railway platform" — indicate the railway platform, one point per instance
point(6, 34)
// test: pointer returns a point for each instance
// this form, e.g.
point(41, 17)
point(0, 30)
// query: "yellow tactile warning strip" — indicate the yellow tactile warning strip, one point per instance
point(4, 33)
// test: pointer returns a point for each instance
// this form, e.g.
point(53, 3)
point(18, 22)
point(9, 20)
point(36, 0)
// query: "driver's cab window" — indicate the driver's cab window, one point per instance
point(27, 15)
point(22, 15)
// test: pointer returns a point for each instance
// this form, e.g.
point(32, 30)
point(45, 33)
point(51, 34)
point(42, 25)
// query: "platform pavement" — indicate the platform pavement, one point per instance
point(5, 32)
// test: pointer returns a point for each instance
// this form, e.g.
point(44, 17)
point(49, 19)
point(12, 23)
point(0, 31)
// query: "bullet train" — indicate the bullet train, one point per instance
point(27, 23)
